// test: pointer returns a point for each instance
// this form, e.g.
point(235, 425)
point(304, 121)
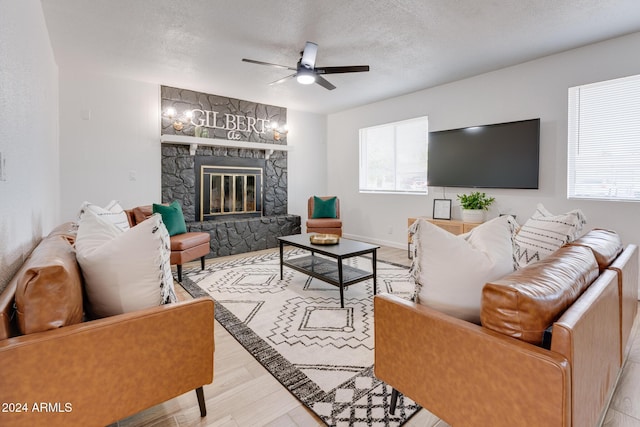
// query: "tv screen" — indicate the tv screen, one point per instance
point(503, 155)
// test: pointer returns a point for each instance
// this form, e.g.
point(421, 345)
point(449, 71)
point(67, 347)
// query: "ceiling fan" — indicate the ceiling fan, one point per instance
point(306, 71)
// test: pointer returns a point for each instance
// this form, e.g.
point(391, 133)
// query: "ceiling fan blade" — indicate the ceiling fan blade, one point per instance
point(253, 61)
point(345, 69)
point(309, 55)
point(324, 83)
point(282, 80)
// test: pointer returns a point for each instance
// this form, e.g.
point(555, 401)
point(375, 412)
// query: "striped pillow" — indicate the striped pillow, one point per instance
point(544, 233)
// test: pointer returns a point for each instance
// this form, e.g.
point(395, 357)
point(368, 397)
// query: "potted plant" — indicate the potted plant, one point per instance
point(474, 205)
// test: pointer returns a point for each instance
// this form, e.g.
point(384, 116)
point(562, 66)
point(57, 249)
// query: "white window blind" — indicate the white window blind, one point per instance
point(393, 157)
point(604, 140)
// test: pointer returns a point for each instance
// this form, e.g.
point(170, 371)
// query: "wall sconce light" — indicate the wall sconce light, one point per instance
point(279, 131)
point(178, 122)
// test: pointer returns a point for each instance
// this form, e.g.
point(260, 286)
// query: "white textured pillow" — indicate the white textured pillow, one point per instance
point(124, 270)
point(113, 213)
point(450, 271)
point(544, 233)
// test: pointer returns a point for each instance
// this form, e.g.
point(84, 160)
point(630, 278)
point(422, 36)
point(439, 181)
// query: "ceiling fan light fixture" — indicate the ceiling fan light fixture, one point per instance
point(305, 76)
point(306, 71)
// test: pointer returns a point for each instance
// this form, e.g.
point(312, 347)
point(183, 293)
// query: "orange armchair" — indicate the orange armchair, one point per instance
point(185, 247)
point(320, 221)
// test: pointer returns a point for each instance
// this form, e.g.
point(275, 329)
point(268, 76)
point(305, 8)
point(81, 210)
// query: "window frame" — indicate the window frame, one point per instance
point(363, 165)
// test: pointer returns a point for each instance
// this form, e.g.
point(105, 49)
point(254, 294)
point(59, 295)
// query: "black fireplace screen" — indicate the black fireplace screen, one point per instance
point(228, 190)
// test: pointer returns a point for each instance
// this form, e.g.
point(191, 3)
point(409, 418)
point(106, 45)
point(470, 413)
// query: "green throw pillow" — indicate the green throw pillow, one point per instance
point(172, 217)
point(324, 208)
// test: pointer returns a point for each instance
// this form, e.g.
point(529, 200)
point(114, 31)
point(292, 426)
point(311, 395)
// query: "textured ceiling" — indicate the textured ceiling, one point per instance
point(409, 44)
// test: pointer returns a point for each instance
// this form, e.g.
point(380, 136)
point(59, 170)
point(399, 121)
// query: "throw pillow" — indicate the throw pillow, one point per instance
point(544, 233)
point(450, 271)
point(124, 270)
point(113, 213)
point(324, 208)
point(172, 217)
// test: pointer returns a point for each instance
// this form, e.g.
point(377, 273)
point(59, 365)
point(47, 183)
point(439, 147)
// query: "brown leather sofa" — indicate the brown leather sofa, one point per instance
point(502, 372)
point(58, 368)
point(185, 247)
point(324, 225)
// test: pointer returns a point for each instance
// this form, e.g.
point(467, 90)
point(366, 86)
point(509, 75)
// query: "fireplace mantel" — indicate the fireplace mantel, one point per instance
point(193, 142)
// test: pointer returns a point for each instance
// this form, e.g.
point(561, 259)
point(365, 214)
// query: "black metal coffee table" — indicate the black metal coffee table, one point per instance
point(328, 270)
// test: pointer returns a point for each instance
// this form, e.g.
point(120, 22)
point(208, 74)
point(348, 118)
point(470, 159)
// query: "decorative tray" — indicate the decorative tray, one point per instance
point(324, 239)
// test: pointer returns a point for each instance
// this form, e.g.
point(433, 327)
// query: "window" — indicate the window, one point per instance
point(604, 140)
point(393, 157)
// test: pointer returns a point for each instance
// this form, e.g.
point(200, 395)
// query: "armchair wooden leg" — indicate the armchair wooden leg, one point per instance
point(201, 403)
point(394, 401)
point(179, 273)
point(202, 262)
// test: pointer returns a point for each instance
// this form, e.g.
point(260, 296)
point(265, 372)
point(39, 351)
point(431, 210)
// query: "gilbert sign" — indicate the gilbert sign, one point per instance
point(232, 123)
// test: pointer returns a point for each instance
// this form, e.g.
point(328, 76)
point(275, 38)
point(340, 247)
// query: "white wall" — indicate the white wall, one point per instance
point(530, 90)
point(109, 141)
point(109, 129)
point(307, 160)
point(29, 183)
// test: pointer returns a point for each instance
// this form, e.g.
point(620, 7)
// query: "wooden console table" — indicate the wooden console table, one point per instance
point(451, 225)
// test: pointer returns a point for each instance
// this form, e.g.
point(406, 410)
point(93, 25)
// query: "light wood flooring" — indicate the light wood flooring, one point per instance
point(243, 393)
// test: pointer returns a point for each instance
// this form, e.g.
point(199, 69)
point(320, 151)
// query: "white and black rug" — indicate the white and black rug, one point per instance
point(295, 328)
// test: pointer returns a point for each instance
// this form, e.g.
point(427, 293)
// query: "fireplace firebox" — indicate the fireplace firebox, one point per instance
point(228, 188)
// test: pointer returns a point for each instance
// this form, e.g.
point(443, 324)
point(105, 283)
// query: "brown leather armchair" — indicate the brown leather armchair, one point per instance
point(185, 247)
point(324, 225)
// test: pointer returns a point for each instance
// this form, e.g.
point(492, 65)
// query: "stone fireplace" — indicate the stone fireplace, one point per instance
point(225, 161)
point(240, 220)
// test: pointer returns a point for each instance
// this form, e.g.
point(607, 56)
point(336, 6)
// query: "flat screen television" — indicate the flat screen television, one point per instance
point(502, 155)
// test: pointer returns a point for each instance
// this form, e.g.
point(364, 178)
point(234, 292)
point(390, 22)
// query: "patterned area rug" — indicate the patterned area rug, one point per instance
point(321, 353)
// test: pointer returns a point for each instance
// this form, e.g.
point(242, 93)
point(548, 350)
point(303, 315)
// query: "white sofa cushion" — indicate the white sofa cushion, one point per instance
point(544, 233)
point(113, 213)
point(450, 271)
point(124, 270)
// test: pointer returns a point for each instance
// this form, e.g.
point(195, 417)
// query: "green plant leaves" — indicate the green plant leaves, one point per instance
point(475, 200)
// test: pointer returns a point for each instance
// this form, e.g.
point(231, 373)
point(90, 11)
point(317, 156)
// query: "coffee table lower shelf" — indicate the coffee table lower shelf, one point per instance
point(327, 270)
point(326, 262)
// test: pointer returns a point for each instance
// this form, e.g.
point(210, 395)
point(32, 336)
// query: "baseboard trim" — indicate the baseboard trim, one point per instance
point(375, 241)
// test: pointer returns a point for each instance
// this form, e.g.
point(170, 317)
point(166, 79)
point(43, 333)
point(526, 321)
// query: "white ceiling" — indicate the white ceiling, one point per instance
point(409, 44)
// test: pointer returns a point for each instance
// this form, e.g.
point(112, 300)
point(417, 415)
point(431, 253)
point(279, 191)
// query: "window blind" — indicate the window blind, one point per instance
point(604, 140)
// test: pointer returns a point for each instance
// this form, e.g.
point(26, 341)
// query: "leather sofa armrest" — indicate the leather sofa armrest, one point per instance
point(467, 374)
point(98, 372)
point(627, 267)
point(588, 335)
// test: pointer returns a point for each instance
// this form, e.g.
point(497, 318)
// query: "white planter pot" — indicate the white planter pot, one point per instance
point(473, 215)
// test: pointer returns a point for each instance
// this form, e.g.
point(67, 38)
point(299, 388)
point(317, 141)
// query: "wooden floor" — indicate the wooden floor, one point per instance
point(244, 393)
